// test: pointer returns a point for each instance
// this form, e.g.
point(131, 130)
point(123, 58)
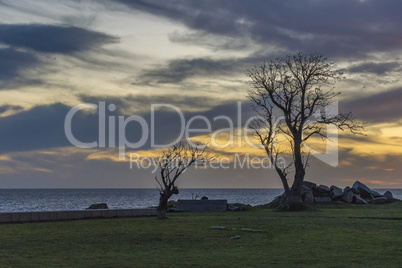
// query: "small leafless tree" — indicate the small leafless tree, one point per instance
point(286, 95)
point(173, 162)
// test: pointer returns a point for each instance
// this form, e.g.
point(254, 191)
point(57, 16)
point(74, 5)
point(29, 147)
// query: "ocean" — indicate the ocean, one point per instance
point(19, 200)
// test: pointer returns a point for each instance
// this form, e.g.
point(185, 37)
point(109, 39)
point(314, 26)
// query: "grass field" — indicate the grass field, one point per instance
point(331, 236)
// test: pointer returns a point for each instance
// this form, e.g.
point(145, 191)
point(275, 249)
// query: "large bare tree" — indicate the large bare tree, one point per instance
point(287, 94)
point(173, 162)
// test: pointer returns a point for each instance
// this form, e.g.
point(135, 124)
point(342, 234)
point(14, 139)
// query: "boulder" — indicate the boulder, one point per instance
point(204, 198)
point(171, 204)
point(310, 184)
point(323, 189)
point(363, 189)
point(358, 200)
point(335, 192)
point(232, 207)
point(238, 207)
point(379, 200)
point(277, 201)
point(305, 189)
point(319, 194)
point(348, 196)
point(324, 199)
point(376, 194)
point(98, 206)
point(388, 195)
point(347, 189)
point(279, 198)
point(308, 197)
point(355, 191)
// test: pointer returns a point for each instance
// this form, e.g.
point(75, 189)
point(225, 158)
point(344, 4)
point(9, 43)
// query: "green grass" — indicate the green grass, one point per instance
point(331, 236)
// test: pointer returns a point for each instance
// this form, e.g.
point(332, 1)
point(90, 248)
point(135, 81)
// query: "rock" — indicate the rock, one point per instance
point(308, 197)
point(347, 189)
point(336, 192)
point(278, 198)
point(348, 196)
point(204, 198)
point(324, 199)
point(323, 189)
point(235, 237)
point(363, 189)
point(310, 184)
point(171, 204)
point(358, 200)
point(319, 194)
point(98, 206)
point(379, 200)
point(355, 191)
point(276, 202)
point(305, 189)
point(231, 207)
point(238, 207)
point(376, 194)
point(218, 227)
point(388, 195)
point(250, 230)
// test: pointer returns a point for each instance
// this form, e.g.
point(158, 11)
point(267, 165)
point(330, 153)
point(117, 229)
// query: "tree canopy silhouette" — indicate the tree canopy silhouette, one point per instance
point(173, 162)
point(287, 94)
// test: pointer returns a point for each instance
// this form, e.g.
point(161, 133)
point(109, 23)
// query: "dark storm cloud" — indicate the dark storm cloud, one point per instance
point(133, 103)
point(52, 38)
point(178, 70)
point(42, 127)
point(24, 41)
point(336, 28)
point(376, 68)
point(175, 71)
point(381, 107)
point(12, 63)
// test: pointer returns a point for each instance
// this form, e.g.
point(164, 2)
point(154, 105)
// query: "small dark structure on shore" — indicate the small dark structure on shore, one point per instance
point(203, 205)
point(98, 206)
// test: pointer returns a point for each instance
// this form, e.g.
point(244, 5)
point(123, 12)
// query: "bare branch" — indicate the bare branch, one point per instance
point(296, 87)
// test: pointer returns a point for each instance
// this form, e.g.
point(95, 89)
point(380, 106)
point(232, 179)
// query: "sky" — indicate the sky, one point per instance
point(163, 66)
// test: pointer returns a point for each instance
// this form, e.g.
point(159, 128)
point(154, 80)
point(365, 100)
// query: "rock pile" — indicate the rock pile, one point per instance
point(237, 207)
point(357, 194)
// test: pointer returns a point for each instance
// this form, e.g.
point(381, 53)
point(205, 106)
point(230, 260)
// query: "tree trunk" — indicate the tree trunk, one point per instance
point(278, 170)
point(161, 211)
point(162, 208)
point(300, 172)
point(293, 198)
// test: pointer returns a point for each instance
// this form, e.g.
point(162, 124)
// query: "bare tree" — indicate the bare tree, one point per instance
point(173, 162)
point(287, 94)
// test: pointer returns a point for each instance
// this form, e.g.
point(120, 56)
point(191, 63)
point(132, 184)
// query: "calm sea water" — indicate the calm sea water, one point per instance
point(13, 200)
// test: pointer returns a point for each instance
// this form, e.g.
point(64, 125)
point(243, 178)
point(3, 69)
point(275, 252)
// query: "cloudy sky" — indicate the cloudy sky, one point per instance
point(192, 55)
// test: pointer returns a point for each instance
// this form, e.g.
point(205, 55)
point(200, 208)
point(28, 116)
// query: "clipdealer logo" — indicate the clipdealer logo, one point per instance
point(112, 132)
